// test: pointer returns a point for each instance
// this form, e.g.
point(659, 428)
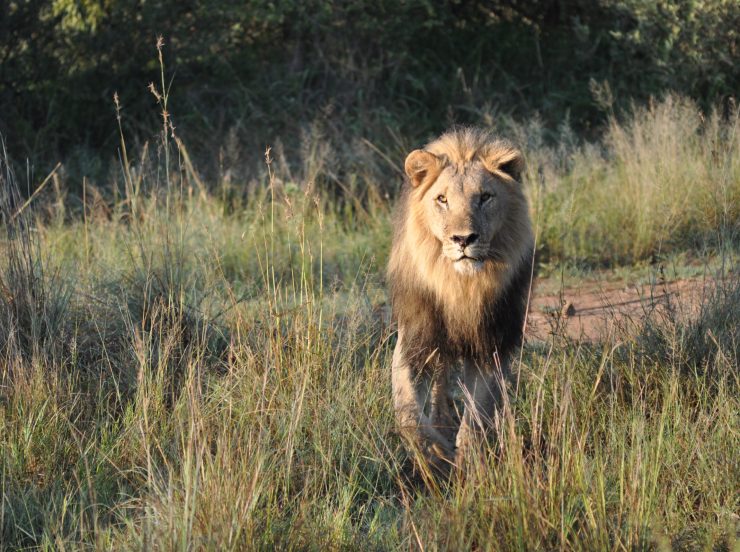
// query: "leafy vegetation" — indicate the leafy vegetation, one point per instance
point(378, 71)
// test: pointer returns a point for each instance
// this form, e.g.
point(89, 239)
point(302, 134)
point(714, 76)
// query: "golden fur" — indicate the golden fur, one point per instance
point(459, 272)
point(415, 257)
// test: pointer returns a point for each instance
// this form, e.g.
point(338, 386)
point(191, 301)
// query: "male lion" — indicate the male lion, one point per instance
point(459, 272)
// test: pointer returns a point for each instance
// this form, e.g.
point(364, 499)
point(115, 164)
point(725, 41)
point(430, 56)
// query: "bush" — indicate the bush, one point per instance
point(411, 67)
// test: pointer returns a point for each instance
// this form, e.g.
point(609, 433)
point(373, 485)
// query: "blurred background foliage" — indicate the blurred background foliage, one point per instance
point(377, 70)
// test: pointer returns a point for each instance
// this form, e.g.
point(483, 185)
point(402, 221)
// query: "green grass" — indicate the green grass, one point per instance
point(667, 180)
point(189, 368)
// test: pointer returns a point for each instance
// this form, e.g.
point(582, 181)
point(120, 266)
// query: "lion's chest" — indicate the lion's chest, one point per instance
point(463, 309)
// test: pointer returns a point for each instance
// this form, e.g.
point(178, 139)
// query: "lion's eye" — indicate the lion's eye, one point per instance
point(485, 197)
point(441, 199)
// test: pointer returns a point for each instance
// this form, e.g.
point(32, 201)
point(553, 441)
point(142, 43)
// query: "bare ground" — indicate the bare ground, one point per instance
point(595, 309)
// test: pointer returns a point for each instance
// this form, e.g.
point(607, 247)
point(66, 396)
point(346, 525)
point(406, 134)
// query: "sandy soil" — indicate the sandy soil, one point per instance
point(594, 309)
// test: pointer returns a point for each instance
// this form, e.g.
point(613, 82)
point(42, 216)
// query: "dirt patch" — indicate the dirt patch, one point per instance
point(594, 310)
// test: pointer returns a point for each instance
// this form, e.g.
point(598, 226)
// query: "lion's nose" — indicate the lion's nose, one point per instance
point(464, 241)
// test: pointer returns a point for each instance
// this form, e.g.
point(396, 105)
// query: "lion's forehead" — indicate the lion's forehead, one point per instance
point(462, 191)
point(463, 183)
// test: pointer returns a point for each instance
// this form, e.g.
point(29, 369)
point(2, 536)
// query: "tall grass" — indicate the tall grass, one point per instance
point(665, 180)
point(214, 374)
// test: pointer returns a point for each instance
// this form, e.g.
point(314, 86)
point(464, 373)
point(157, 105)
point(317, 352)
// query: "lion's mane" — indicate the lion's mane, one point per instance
point(440, 310)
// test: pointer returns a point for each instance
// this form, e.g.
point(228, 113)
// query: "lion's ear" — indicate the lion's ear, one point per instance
point(505, 160)
point(422, 167)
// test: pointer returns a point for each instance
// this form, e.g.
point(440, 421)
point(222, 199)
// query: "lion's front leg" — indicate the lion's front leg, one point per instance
point(440, 412)
point(415, 427)
point(483, 389)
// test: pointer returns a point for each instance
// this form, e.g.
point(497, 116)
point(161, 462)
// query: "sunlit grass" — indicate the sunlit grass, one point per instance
point(666, 180)
point(190, 369)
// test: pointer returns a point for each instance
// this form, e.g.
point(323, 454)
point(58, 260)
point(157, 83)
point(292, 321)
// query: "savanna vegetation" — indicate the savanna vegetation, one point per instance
point(194, 333)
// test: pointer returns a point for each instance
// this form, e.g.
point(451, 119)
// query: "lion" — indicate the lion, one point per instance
point(460, 273)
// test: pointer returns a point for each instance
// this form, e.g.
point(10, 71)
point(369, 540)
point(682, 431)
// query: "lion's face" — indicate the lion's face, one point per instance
point(464, 211)
point(464, 205)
